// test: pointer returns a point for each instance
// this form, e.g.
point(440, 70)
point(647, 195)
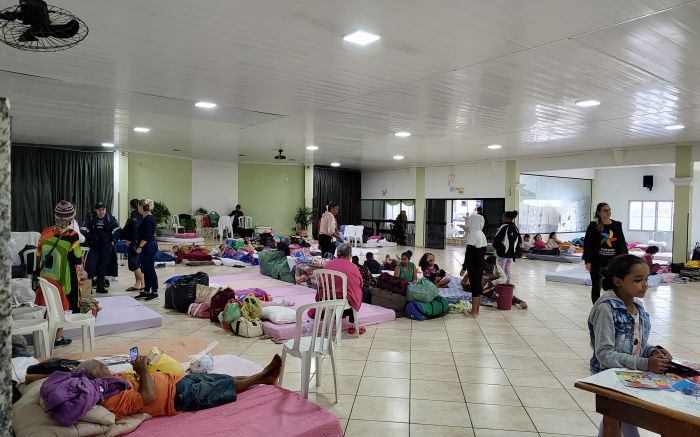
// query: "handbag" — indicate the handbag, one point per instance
point(247, 328)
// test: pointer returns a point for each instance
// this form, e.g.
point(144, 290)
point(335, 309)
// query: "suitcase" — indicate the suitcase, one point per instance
point(389, 300)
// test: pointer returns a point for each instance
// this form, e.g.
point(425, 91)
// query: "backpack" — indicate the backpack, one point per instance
point(422, 291)
point(433, 309)
point(232, 311)
point(247, 328)
point(696, 252)
point(199, 310)
point(251, 307)
point(218, 303)
point(392, 283)
point(182, 292)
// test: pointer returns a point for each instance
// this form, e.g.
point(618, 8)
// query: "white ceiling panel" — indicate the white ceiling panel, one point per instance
point(458, 74)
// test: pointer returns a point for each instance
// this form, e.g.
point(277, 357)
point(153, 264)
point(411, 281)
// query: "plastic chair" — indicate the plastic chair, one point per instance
point(225, 224)
point(326, 282)
point(358, 235)
point(176, 224)
point(245, 222)
point(39, 328)
point(58, 318)
point(317, 346)
point(348, 232)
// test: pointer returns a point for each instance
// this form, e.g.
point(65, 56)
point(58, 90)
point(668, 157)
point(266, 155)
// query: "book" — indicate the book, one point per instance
point(644, 380)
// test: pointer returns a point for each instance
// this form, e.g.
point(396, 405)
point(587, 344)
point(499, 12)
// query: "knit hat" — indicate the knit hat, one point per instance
point(64, 210)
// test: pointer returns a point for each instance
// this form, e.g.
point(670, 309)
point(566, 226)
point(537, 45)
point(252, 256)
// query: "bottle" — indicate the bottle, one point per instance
point(308, 329)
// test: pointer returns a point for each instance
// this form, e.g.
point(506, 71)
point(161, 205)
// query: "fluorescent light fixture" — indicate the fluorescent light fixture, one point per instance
point(674, 127)
point(335, 164)
point(361, 38)
point(495, 146)
point(402, 134)
point(398, 157)
point(205, 105)
point(587, 103)
point(312, 148)
point(142, 130)
point(107, 144)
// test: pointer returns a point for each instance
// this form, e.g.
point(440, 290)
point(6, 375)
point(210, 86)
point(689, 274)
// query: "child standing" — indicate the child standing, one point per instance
point(506, 242)
point(619, 325)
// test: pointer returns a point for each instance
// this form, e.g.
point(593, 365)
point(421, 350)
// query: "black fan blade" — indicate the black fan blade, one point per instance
point(68, 30)
point(27, 36)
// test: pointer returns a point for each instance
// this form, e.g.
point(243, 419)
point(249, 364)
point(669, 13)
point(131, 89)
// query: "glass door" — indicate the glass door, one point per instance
point(435, 223)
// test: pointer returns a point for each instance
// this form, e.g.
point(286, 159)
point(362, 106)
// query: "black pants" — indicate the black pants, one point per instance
point(147, 260)
point(474, 265)
point(596, 278)
point(97, 262)
point(325, 243)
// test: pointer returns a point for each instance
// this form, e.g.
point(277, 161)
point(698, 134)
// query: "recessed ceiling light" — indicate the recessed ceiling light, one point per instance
point(205, 105)
point(674, 127)
point(312, 148)
point(142, 130)
point(107, 144)
point(587, 103)
point(495, 146)
point(398, 157)
point(361, 38)
point(335, 164)
point(402, 134)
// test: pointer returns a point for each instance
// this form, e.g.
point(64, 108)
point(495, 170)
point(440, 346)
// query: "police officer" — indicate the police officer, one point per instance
point(99, 228)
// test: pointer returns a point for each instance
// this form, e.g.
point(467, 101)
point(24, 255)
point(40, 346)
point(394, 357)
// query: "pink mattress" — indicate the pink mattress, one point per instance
point(120, 314)
point(238, 277)
point(262, 411)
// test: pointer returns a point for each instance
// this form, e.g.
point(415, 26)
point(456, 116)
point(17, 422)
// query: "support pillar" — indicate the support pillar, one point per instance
point(5, 272)
point(420, 207)
point(512, 181)
point(682, 198)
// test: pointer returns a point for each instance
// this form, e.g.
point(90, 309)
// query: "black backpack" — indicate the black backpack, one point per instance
point(183, 292)
point(696, 252)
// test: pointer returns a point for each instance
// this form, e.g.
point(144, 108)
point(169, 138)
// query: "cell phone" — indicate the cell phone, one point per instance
point(134, 353)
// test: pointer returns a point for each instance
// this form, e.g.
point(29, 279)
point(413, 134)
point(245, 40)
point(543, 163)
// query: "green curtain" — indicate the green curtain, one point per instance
point(409, 202)
point(392, 202)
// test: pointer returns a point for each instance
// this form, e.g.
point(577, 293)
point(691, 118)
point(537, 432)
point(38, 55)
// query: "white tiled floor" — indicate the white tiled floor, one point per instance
point(509, 373)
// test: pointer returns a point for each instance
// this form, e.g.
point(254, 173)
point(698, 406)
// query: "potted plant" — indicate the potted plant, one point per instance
point(161, 213)
point(303, 219)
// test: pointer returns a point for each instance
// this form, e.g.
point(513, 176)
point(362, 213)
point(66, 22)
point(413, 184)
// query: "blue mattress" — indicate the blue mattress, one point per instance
point(569, 259)
point(582, 277)
point(455, 293)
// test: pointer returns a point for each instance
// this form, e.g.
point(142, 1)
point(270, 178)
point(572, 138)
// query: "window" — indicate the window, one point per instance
point(382, 213)
point(554, 204)
point(651, 216)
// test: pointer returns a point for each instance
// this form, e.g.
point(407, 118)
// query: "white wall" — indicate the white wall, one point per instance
point(480, 181)
point(619, 186)
point(399, 184)
point(214, 185)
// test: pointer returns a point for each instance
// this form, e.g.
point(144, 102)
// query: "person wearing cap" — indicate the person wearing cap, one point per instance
point(99, 228)
point(59, 255)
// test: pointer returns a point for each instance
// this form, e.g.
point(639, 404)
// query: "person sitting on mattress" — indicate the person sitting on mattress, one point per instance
point(372, 264)
point(432, 271)
point(343, 264)
point(161, 394)
point(553, 242)
point(367, 279)
point(539, 244)
point(649, 258)
point(526, 244)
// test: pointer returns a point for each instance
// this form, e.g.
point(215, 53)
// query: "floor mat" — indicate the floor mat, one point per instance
point(120, 314)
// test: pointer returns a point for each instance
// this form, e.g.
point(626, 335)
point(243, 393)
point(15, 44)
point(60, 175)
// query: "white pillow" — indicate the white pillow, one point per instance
point(279, 315)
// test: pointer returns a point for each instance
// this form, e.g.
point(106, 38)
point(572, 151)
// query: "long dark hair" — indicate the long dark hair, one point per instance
point(619, 267)
point(598, 219)
point(423, 262)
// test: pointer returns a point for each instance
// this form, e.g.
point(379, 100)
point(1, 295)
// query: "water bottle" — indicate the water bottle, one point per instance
point(308, 329)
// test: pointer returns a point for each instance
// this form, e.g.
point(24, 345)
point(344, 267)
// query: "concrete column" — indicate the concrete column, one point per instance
point(420, 207)
point(683, 199)
point(5, 272)
point(512, 181)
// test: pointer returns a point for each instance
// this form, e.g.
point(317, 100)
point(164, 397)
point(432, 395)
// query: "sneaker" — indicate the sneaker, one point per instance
point(63, 341)
point(152, 296)
point(103, 291)
point(142, 295)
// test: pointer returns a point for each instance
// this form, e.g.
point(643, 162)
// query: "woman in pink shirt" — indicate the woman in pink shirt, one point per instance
point(344, 264)
point(328, 229)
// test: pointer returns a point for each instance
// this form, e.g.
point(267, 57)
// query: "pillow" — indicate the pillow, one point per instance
point(279, 315)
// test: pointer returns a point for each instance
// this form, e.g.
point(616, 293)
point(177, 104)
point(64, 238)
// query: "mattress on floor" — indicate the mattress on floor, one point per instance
point(180, 240)
point(582, 277)
point(570, 259)
point(120, 314)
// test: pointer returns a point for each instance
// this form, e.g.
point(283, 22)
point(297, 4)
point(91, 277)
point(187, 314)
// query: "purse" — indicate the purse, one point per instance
point(247, 328)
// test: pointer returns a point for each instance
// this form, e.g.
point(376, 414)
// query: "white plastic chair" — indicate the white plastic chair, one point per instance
point(357, 236)
point(317, 346)
point(349, 233)
point(58, 318)
point(326, 282)
point(176, 224)
point(245, 222)
point(39, 328)
point(225, 224)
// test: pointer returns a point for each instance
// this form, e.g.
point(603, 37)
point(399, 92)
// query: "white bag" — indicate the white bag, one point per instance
point(247, 328)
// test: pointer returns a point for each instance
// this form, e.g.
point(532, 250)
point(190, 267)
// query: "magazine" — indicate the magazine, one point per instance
point(646, 380)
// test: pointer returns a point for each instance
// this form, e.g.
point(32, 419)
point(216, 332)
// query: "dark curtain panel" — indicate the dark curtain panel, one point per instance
point(42, 177)
point(341, 187)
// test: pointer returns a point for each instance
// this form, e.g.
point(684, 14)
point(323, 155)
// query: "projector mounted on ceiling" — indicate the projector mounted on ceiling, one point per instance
point(37, 27)
point(280, 154)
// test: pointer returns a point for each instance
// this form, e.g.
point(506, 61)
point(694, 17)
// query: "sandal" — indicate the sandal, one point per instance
point(351, 330)
point(134, 289)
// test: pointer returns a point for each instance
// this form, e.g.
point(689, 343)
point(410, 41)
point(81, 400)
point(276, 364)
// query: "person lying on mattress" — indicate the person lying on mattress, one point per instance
point(493, 275)
point(161, 394)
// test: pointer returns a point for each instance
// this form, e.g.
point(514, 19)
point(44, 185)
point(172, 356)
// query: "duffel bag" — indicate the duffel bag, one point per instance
point(422, 291)
point(267, 260)
point(280, 270)
point(247, 328)
point(389, 300)
point(391, 283)
point(218, 303)
point(184, 290)
point(438, 307)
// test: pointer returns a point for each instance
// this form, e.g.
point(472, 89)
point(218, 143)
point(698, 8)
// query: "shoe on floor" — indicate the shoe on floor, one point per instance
point(152, 296)
point(63, 341)
point(142, 295)
point(103, 291)
point(523, 305)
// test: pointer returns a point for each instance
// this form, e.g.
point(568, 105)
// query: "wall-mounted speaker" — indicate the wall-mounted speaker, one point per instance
point(648, 182)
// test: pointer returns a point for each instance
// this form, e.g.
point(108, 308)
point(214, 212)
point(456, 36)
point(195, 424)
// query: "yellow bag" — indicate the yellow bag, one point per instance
point(693, 264)
point(164, 363)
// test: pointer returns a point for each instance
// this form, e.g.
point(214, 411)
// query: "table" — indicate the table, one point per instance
point(618, 407)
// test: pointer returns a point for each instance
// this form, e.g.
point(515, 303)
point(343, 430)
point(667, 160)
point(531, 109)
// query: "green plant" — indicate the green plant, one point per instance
point(303, 217)
point(161, 213)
